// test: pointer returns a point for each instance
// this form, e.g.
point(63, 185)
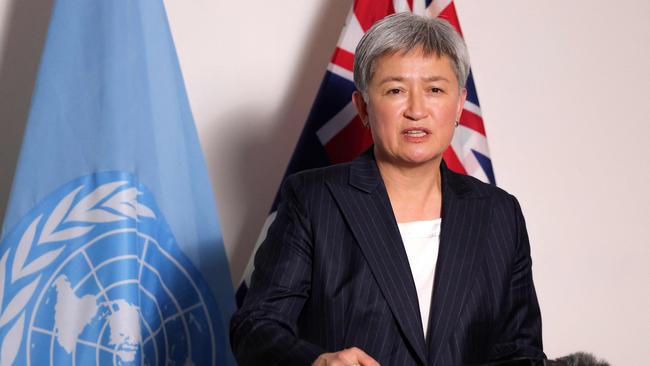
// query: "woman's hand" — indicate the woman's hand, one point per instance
point(347, 357)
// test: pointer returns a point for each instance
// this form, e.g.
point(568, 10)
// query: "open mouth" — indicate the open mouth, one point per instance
point(416, 132)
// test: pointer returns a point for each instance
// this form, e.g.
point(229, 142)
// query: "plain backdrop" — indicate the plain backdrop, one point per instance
point(563, 87)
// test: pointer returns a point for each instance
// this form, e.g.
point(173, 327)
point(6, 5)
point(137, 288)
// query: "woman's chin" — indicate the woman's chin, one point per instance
point(412, 157)
point(418, 159)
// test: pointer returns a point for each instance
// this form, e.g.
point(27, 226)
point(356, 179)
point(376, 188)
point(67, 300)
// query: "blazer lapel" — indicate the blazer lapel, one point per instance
point(367, 209)
point(465, 216)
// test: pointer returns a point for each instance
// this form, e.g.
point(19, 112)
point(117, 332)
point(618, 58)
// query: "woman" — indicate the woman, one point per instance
point(392, 258)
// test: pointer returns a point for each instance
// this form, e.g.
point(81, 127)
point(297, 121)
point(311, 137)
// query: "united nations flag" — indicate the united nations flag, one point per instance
point(111, 251)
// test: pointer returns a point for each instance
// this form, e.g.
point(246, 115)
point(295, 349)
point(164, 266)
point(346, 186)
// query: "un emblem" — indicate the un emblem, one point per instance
point(93, 276)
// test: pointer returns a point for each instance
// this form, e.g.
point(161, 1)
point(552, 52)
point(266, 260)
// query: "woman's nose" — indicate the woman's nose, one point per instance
point(416, 108)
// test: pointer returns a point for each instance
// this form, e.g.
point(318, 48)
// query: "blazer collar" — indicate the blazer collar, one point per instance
point(465, 218)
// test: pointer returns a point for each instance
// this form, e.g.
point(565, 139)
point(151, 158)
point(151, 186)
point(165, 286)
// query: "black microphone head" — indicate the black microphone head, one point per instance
point(582, 359)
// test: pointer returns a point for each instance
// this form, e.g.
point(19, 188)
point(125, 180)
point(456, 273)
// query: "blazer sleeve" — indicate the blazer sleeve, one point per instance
point(264, 330)
point(520, 335)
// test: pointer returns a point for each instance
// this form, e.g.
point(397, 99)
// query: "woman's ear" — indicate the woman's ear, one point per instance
point(361, 106)
point(461, 103)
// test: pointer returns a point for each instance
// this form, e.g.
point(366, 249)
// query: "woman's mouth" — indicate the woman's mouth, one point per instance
point(415, 133)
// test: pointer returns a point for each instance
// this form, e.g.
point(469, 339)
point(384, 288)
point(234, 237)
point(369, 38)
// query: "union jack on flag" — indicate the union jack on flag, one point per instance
point(334, 132)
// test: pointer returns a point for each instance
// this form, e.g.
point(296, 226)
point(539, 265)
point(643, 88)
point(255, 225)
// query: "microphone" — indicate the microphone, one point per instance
point(581, 359)
point(573, 359)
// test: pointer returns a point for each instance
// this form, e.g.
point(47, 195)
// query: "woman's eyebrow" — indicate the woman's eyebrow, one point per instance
point(435, 78)
point(391, 78)
point(401, 78)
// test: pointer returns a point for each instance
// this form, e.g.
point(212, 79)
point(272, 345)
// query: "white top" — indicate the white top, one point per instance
point(421, 240)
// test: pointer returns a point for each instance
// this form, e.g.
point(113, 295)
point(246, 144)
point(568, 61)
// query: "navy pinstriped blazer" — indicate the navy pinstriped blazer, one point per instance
point(333, 273)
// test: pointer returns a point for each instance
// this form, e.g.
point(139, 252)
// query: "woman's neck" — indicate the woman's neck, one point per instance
point(414, 191)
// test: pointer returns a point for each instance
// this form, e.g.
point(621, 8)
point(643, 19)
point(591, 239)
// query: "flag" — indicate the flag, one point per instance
point(111, 250)
point(334, 132)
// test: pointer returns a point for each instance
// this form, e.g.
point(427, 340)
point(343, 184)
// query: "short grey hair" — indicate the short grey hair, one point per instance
point(403, 32)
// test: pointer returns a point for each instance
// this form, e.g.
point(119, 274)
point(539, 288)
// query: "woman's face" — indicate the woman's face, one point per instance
point(413, 104)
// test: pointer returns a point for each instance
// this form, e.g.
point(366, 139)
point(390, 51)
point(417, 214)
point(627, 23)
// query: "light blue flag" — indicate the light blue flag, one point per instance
point(111, 251)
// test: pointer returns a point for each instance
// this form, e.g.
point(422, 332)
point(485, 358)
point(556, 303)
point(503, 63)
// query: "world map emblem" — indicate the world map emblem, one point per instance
point(93, 276)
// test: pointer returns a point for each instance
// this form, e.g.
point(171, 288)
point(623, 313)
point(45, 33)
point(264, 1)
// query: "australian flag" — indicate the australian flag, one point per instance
point(334, 132)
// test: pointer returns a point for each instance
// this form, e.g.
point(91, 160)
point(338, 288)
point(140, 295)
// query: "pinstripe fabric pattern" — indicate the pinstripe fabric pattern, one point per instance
point(333, 273)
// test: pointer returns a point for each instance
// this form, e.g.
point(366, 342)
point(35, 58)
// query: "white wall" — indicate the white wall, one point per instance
point(564, 89)
point(564, 93)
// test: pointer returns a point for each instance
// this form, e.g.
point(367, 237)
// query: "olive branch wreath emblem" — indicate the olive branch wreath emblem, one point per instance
point(109, 202)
